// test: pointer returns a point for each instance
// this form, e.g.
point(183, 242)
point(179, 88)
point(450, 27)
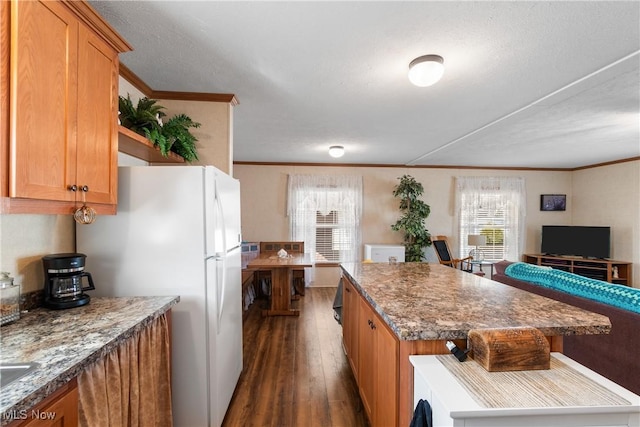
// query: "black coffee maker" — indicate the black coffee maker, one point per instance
point(63, 286)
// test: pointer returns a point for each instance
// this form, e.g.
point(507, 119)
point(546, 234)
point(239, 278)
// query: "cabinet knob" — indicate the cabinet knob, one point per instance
point(84, 188)
point(73, 188)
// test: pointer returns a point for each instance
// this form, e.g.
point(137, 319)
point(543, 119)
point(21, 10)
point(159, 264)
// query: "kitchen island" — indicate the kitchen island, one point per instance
point(392, 311)
point(64, 343)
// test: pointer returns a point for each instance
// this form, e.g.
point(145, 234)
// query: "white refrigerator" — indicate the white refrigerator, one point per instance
point(177, 232)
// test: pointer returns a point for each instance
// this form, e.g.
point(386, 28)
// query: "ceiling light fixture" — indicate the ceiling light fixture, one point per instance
point(336, 151)
point(426, 70)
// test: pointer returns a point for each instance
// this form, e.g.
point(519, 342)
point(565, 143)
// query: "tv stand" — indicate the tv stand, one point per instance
point(601, 269)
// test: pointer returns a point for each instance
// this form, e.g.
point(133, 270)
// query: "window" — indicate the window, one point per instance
point(325, 213)
point(490, 223)
point(495, 208)
point(332, 238)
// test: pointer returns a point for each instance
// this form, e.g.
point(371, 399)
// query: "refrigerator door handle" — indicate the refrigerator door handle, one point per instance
point(220, 217)
point(221, 289)
point(220, 256)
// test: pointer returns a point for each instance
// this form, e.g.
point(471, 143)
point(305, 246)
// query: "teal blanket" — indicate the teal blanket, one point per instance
point(616, 295)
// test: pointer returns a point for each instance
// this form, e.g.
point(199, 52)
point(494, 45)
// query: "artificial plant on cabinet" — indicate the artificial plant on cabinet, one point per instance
point(173, 135)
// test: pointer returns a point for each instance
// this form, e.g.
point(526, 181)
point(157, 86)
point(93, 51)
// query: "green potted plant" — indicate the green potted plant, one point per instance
point(414, 212)
point(146, 119)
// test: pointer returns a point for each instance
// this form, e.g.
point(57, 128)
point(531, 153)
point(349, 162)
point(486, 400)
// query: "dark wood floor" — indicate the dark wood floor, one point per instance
point(295, 371)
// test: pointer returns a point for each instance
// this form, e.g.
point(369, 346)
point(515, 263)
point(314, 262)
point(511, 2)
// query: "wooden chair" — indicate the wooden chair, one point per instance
point(292, 248)
point(441, 246)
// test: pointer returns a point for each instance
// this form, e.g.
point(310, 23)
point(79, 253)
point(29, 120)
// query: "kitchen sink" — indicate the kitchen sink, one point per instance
point(9, 372)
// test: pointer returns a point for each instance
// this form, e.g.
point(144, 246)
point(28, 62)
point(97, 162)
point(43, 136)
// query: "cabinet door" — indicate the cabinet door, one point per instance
point(61, 412)
point(350, 320)
point(386, 368)
point(43, 92)
point(366, 357)
point(378, 368)
point(97, 129)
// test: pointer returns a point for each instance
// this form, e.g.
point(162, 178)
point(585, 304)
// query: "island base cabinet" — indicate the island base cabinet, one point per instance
point(58, 410)
point(398, 319)
point(377, 367)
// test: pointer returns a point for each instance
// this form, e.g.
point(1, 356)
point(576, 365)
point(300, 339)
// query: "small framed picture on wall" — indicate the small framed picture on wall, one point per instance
point(553, 202)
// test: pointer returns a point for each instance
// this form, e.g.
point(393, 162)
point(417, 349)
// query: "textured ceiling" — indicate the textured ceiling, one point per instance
point(526, 84)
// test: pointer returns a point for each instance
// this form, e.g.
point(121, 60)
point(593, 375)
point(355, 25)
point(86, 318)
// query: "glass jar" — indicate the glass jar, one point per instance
point(9, 299)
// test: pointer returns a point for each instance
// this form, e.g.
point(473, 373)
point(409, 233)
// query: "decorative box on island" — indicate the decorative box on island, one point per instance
point(510, 349)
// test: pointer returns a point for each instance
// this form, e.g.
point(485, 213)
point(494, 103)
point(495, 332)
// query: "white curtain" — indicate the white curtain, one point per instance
point(490, 194)
point(310, 194)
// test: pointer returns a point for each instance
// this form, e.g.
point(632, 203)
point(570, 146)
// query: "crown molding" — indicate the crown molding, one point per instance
point(90, 17)
point(613, 162)
point(374, 165)
point(136, 81)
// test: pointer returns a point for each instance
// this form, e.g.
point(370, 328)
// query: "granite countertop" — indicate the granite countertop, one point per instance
point(423, 301)
point(65, 342)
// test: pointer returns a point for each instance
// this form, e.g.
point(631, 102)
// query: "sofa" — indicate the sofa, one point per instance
point(616, 355)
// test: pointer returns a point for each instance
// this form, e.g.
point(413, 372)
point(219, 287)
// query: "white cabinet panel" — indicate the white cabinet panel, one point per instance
point(452, 405)
point(381, 253)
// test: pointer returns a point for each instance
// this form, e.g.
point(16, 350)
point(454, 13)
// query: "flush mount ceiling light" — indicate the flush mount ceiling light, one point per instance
point(426, 70)
point(336, 151)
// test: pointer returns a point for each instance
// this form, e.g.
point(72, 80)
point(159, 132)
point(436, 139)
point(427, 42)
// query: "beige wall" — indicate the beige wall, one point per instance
point(214, 135)
point(610, 196)
point(25, 239)
point(264, 201)
point(125, 88)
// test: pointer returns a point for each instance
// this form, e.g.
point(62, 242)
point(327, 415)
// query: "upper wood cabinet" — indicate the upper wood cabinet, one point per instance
point(63, 106)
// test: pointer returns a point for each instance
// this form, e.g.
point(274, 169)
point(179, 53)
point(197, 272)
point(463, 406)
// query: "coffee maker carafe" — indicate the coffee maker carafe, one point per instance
point(63, 280)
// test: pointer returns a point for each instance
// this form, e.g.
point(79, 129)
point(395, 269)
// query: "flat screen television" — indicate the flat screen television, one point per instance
point(588, 242)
